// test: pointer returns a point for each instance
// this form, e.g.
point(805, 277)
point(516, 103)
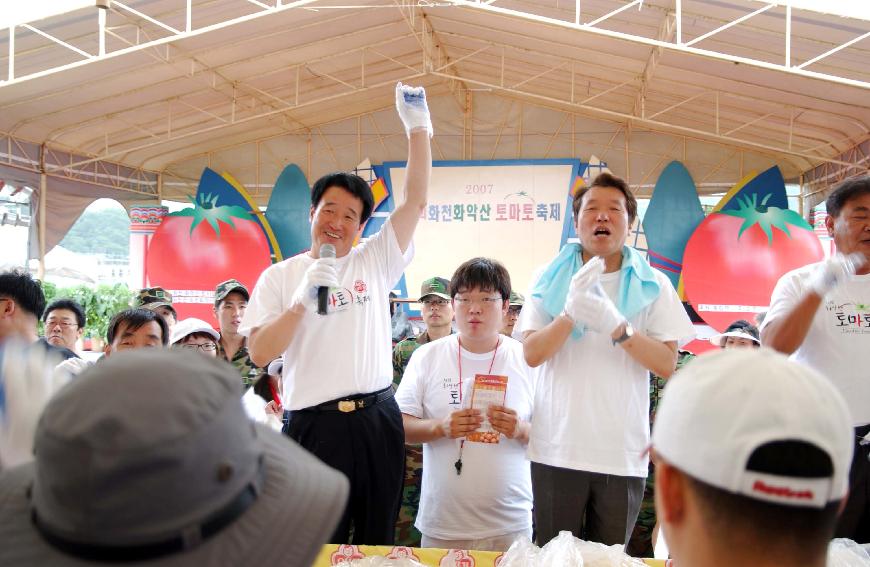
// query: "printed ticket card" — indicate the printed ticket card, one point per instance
point(486, 391)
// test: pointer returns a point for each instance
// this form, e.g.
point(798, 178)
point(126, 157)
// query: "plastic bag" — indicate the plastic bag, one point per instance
point(599, 555)
point(521, 553)
point(844, 552)
point(564, 549)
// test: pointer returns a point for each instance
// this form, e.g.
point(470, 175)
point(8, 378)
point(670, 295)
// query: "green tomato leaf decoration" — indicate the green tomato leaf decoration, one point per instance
point(765, 217)
point(207, 210)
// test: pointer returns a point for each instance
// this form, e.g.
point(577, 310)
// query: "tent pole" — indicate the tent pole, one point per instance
point(43, 188)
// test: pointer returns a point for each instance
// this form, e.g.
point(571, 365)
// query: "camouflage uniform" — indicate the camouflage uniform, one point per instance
point(640, 544)
point(406, 534)
point(249, 371)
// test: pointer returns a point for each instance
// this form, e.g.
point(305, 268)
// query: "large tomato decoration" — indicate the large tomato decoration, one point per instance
point(195, 249)
point(735, 257)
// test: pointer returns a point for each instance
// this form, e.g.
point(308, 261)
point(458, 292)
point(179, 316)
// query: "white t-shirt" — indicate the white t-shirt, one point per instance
point(592, 400)
point(838, 342)
point(347, 351)
point(493, 495)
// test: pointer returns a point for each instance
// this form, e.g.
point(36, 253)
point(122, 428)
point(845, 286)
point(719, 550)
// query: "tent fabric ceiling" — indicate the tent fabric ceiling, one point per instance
point(313, 85)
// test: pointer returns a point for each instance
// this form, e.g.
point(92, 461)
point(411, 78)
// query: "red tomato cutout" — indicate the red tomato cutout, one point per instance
point(187, 253)
point(735, 258)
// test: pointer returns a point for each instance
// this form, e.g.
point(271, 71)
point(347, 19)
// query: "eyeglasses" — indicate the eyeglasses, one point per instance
point(430, 303)
point(466, 302)
point(515, 309)
point(62, 324)
point(207, 347)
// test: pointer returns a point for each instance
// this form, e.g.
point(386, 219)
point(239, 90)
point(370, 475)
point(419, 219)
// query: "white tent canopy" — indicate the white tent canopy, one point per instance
point(164, 88)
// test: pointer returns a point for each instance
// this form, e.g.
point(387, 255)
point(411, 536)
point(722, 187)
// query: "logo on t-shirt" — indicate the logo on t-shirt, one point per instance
point(342, 299)
point(451, 388)
point(850, 318)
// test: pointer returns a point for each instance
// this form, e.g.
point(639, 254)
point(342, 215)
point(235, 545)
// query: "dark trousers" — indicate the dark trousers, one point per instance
point(592, 506)
point(854, 522)
point(368, 446)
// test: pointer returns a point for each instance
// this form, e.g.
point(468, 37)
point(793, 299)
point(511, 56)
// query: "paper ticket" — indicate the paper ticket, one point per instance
point(486, 391)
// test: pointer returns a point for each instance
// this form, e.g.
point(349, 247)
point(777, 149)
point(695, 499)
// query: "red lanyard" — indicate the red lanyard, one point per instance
point(458, 463)
point(275, 395)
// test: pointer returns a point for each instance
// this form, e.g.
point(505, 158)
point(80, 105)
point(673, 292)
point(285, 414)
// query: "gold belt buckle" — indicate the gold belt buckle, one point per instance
point(346, 406)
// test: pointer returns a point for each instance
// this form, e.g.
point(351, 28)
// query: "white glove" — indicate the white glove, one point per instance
point(28, 383)
point(320, 273)
point(598, 311)
point(412, 107)
point(834, 271)
point(586, 277)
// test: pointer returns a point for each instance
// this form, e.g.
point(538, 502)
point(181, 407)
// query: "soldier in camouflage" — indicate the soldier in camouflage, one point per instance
point(159, 300)
point(641, 542)
point(437, 315)
point(230, 302)
point(510, 319)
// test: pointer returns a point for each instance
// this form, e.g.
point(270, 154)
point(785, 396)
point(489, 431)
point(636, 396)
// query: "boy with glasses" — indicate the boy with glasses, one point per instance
point(475, 495)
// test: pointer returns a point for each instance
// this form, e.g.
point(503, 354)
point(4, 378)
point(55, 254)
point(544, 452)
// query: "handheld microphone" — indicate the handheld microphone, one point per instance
point(326, 251)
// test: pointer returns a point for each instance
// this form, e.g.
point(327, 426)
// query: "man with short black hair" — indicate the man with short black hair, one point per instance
point(136, 328)
point(819, 315)
point(64, 322)
point(598, 320)
point(22, 303)
point(230, 303)
point(752, 457)
point(338, 393)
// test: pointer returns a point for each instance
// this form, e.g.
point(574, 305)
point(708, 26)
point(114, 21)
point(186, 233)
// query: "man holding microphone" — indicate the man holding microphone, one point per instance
point(338, 398)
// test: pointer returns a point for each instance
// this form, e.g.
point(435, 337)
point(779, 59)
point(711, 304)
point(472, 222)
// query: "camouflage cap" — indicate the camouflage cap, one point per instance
point(516, 299)
point(223, 289)
point(435, 286)
point(153, 297)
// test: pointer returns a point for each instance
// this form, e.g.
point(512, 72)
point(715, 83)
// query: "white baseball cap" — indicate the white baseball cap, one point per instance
point(192, 325)
point(722, 407)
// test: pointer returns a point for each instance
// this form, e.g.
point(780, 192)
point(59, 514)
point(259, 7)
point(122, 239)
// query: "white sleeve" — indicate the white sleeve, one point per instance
point(785, 295)
point(532, 315)
point(667, 319)
point(385, 248)
point(266, 300)
point(409, 395)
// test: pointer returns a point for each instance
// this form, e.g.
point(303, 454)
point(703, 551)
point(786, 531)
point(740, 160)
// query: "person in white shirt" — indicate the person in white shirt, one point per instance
point(337, 392)
point(819, 314)
point(597, 321)
point(475, 495)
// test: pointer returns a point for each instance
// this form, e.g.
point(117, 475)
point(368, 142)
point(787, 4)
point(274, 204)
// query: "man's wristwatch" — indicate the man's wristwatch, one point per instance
point(627, 333)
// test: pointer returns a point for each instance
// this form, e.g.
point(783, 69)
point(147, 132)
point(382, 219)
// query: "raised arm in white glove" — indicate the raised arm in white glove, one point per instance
point(412, 107)
point(320, 273)
point(834, 271)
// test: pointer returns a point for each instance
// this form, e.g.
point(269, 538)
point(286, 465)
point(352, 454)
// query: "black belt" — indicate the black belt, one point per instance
point(349, 404)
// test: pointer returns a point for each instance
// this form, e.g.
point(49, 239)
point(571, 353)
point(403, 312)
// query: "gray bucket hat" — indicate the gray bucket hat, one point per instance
point(149, 456)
